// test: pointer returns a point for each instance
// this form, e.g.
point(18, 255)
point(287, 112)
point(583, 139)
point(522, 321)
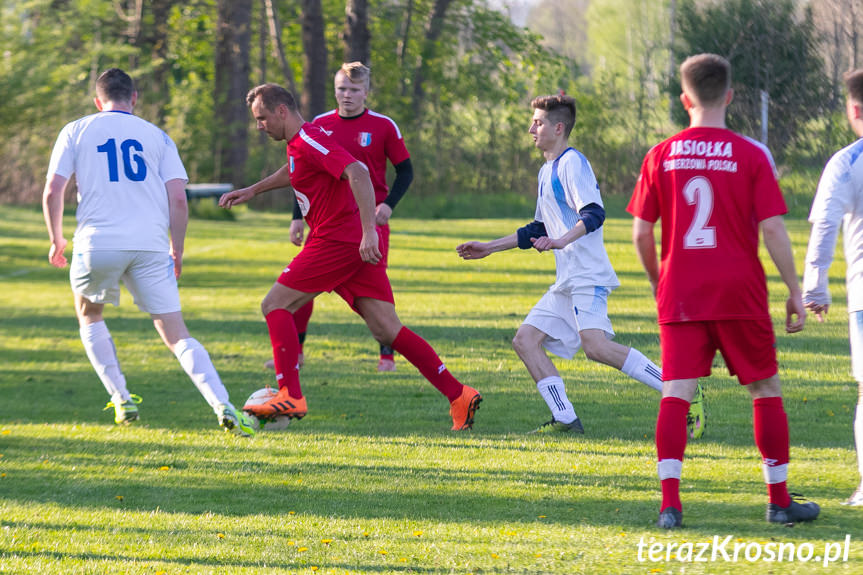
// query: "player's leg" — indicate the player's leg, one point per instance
point(383, 322)
point(550, 324)
point(387, 360)
point(748, 348)
point(687, 354)
point(670, 447)
point(95, 277)
point(301, 321)
point(527, 343)
point(855, 325)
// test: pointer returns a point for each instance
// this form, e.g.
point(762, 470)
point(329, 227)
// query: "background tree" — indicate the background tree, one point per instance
point(356, 35)
point(315, 73)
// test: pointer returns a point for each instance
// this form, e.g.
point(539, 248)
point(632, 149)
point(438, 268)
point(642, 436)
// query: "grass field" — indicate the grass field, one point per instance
point(372, 481)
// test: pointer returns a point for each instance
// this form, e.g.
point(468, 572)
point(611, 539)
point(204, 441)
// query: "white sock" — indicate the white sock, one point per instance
point(554, 394)
point(197, 364)
point(858, 430)
point(637, 366)
point(103, 357)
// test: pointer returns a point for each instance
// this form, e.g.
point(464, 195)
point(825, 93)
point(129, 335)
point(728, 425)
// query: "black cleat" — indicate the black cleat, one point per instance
point(670, 518)
point(794, 513)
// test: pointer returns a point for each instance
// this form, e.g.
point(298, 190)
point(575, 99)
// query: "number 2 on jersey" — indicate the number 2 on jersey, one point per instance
point(698, 191)
point(134, 166)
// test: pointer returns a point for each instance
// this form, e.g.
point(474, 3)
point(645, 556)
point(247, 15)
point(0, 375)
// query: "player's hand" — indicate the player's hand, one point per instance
point(235, 197)
point(795, 313)
point(369, 250)
point(382, 214)
point(545, 243)
point(298, 227)
point(473, 250)
point(820, 310)
point(55, 253)
point(177, 258)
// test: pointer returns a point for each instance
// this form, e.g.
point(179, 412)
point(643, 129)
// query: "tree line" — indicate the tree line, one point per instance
point(456, 75)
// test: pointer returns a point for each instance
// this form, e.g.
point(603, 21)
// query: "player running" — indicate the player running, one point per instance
point(714, 190)
point(573, 313)
point(131, 194)
point(341, 254)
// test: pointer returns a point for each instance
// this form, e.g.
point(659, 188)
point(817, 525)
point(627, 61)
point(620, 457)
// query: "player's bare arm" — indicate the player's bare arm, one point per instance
point(778, 245)
point(178, 214)
point(546, 243)
point(382, 214)
point(645, 246)
point(478, 250)
point(361, 186)
point(52, 209)
point(281, 178)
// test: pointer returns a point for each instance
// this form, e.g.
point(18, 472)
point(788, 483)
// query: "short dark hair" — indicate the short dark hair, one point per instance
point(115, 85)
point(854, 84)
point(706, 78)
point(560, 108)
point(272, 95)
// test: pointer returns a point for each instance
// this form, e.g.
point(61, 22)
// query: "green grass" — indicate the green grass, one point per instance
point(372, 481)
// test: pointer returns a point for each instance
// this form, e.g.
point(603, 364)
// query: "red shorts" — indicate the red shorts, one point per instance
point(747, 346)
point(327, 265)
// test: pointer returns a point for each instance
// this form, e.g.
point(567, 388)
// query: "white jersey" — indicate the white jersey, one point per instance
point(121, 163)
point(566, 185)
point(839, 199)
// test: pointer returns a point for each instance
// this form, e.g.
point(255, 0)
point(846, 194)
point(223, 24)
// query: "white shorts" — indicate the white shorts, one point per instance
point(149, 277)
point(561, 316)
point(855, 331)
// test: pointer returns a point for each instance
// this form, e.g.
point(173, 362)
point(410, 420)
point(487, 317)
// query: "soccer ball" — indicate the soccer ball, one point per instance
point(266, 423)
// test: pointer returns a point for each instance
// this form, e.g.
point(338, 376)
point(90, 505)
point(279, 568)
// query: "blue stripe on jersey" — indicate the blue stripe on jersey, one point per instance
point(570, 216)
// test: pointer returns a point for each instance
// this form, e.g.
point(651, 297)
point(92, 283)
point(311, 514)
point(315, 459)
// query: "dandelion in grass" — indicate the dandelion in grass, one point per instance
point(494, 555)
point(418, 533)
point(165, 468)
point(291, 543)
point(326, 541)
point(403, 559)
point(292, 512)
point(382, 552)
point(541, 516)
point(118, 497)
point(220, 535)
point(6, 432)
point(314, 567)
point(302, 549)
point(2, 475)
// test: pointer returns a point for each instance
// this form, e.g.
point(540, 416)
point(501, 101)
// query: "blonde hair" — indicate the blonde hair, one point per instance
point(357, 72)
point(706, 78)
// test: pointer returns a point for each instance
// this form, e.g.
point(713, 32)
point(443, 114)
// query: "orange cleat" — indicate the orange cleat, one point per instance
point(281, 404)
point(463, 408)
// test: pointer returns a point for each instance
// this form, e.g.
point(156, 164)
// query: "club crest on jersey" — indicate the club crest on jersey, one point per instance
point(364, 139)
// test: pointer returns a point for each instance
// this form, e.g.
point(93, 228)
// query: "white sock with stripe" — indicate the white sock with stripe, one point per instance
point(637, 366)
point(198, 366)
point(553, 392)
point(103, 357)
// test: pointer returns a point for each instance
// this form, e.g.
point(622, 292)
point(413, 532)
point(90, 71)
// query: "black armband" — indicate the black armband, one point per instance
point(592, 215)
point(404, 177)
point(298, 213)
point(534, 229)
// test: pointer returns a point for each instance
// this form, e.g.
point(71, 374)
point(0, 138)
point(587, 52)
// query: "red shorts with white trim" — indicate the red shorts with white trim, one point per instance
point(327, 265)
point(747, 346)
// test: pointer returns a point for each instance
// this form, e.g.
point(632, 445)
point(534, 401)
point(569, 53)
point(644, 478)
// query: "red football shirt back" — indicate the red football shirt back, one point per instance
point(371, 138)
point(710, 187)
point(328, 205)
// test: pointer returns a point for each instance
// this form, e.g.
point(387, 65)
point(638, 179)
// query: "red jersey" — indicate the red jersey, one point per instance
point(371, 138)
point(711, 187)
point(326, 200)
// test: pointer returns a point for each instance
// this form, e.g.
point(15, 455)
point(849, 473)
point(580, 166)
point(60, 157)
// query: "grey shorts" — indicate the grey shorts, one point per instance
point(562, 315)
point(149, 277)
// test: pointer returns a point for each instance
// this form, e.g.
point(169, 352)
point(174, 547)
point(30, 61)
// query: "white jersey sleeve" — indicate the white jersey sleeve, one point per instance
point(838, 202)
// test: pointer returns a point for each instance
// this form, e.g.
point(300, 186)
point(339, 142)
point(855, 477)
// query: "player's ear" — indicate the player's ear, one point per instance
point(729, 96)
point(98, 103)
point(134, 98)
point(684, 99)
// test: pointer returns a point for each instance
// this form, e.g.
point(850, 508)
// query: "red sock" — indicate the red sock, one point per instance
point(770, 425)
point(283, 337)
point(301, 320)
point(670, 446)
point(417, 351)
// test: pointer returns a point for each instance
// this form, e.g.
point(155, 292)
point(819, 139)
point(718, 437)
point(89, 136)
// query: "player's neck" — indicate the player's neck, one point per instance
point(707, 117)
point(557, 149)
point(351, 114)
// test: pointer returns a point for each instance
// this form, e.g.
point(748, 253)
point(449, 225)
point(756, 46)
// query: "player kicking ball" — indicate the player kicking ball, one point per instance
point(573, 313)
point(341, 254)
